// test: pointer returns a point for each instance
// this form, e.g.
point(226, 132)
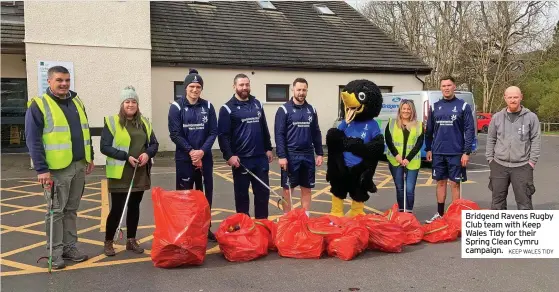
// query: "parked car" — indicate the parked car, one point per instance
point(483, 120)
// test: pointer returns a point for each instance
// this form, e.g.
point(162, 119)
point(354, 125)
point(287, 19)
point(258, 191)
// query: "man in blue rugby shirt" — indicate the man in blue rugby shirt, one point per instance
point(193, 129)
point(297, 135)
point(448, 142)
point(244, 138)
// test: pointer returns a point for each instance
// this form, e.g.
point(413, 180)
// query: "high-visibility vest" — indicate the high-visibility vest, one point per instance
point(57, 138)
point(398, 140)
point(121, 141)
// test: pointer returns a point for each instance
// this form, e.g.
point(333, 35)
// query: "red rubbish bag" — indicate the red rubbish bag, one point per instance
point(354, 241)
point(453, 214)
point(270, 228)
point(294, 240)
point(327, 226)
point(410, 225)
point(383, 235)
point(240, 240)
point(440, 231)
point(182, 221)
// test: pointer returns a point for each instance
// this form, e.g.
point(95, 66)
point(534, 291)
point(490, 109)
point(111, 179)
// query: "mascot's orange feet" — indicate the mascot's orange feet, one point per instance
point(337, 207)
point(356, 209)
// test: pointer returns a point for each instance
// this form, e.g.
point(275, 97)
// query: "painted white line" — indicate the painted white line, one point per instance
point(478, 164)
point(485, 170)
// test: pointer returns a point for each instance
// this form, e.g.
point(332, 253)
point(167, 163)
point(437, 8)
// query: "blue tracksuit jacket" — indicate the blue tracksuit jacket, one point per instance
point(192, 126)
point(243, 130)
point(296, 130)
point(450, 128)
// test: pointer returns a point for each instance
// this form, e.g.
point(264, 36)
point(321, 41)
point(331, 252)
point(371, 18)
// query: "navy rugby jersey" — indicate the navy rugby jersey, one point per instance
point(296, 130)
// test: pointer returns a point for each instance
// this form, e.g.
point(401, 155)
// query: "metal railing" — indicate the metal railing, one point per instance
point(550, 127)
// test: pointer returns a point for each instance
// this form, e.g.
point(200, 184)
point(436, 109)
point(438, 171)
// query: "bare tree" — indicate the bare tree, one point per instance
point(500, 33)
point(481, 43)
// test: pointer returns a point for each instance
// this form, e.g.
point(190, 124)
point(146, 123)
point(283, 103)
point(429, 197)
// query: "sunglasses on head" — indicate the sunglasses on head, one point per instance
point(406, 100)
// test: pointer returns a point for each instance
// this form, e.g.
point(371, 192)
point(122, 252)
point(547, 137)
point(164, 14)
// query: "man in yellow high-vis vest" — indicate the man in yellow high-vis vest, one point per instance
point(59, 142)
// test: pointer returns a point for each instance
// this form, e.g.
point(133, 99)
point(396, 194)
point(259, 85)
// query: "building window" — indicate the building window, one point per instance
point(266, 5)
point(179, 90)
point(14, 106)
point(323, 9)
point(277, 92)
point(385, 89)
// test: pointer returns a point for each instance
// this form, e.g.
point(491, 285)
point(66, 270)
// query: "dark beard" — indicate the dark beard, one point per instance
point(243, 94)
point(300, 99)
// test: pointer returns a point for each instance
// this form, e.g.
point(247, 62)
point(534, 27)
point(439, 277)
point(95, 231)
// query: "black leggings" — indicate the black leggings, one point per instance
point(132, 214)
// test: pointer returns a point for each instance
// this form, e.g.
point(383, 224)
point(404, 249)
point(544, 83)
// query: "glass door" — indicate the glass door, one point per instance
point(14, 105)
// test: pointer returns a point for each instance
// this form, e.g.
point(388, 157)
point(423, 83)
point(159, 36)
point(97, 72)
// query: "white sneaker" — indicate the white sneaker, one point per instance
point(435, 217)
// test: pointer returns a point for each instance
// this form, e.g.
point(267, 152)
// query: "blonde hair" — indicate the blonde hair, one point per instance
point(413, 117)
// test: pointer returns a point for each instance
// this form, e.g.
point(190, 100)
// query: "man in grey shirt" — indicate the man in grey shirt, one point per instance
point(513, 149)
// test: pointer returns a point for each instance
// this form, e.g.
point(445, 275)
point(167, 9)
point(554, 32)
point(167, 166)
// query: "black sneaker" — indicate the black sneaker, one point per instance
point(211, 236)
point(73, 254)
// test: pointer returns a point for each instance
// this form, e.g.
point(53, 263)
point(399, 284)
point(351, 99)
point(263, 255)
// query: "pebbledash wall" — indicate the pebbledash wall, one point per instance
point(110, 47)
point(218, 88)
point(109, 44)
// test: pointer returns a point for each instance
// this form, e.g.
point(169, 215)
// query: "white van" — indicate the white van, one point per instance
point(422, 100)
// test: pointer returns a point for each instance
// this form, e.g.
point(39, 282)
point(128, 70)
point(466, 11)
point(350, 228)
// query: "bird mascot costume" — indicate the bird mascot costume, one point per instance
point(355, 147)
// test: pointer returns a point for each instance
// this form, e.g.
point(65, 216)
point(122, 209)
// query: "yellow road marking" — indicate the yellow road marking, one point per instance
point(23, 227)
point(22, 208)
point(22, 249)
point(91, 195)
point(17, 265)
point(89, 217)
point(89, 210)
point(24, 192)
point(385, 181)
point(429, 180)
point(275, 173)
point(23, 230)
point(19, 186)
point(21, 197)
point(316, 194)
point(93, 183)
point(91, 200)
point(272, 202)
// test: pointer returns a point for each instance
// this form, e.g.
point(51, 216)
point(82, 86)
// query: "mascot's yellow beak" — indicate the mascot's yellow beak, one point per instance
point(352, 106)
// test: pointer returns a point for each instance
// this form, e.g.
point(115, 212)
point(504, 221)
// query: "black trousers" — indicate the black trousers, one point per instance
point(522, 180)
point(132, 214)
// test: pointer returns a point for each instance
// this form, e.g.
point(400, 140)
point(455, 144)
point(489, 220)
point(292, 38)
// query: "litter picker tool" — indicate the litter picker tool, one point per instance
point(281, 198)
point(51, 213)
point(118, 229)
point(405, 191)
point(461, 178)
point(290, 193)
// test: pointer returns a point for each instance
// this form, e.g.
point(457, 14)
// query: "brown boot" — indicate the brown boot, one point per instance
point(132, 244)
point(109, 249)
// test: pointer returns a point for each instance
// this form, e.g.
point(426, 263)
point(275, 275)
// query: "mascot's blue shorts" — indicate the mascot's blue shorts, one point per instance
point(301, 171)
point(448, 167)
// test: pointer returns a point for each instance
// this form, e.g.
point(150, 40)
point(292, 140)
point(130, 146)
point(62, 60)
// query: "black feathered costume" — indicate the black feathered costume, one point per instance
point(362, 103)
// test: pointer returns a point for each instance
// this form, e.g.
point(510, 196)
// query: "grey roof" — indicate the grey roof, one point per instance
point(241, 33)
point(12, 34)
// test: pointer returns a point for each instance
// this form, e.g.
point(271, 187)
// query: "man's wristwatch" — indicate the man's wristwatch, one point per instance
point(467, 153)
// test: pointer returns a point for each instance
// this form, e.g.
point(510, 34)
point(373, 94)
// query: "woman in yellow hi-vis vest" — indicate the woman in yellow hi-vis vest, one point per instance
point(404, 138)
point(127, 140)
